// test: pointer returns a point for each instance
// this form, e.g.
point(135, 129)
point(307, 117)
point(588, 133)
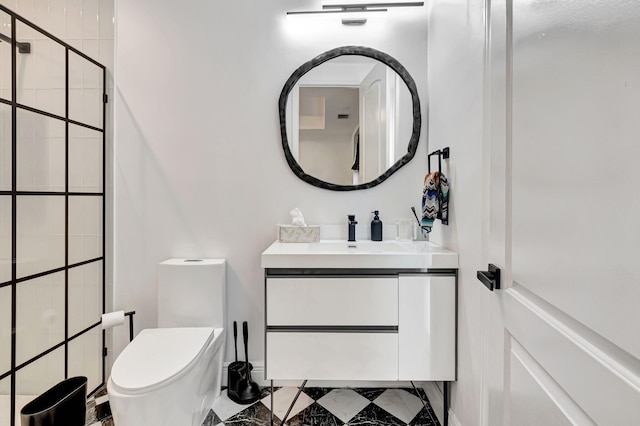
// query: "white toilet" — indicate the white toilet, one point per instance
point(172, 374)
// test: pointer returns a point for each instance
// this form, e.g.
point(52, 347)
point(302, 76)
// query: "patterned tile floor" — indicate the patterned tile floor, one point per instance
point(315, 407)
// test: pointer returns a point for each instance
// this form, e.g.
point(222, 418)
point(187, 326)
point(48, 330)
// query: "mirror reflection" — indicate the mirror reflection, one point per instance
point(349, 118)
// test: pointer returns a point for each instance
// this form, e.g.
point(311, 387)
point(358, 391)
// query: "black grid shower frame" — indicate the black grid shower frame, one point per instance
point(14, 193)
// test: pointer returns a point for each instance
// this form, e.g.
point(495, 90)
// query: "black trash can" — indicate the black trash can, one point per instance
point(65, 404)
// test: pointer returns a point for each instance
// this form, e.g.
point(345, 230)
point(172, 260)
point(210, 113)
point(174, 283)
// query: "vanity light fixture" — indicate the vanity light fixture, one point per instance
point(351, 8)
point(325, 11)
point(365, 7)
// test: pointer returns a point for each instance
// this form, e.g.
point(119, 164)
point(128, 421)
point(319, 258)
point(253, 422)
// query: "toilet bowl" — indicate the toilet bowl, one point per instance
point(167, 376)
point(170, 376)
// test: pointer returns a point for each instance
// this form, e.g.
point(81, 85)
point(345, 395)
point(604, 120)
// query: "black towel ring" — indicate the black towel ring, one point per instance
point(441, 153)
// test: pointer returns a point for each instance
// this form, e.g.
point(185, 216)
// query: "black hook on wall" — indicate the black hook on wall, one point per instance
point(441, 153)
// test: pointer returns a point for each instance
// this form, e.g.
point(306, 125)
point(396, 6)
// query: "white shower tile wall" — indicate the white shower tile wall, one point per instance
point(5, 240)
point(5, 58)
point(82, 359)
point(85, 159)
point(40, 233)
point(41, 374)
point(85, 294)
point(5, 330)
point(85, 86)
point(85, 228)
point(41, 73)
point(40, 152)
point(5, 401)
point(5, 144)
point(5, 292)
point(40, 319)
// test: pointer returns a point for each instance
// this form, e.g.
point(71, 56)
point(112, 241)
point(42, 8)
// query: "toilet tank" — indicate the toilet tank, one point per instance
point(192, 293)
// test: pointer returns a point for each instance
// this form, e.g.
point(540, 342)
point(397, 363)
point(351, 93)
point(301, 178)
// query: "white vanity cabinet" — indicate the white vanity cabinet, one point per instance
point(427, 327)
point(338, 328)
point(360, 324)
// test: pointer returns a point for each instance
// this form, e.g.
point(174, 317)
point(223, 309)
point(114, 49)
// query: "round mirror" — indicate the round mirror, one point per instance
point(349, 118)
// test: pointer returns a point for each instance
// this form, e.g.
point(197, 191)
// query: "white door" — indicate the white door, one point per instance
point(373, 123)
point(562, 143)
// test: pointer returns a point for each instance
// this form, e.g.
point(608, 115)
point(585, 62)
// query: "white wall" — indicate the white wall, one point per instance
point(455, 119)
point(327, 157)
point(199, 168)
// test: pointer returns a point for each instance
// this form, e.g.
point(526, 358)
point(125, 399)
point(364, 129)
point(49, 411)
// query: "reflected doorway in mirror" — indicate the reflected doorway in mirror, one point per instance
point(349, 118)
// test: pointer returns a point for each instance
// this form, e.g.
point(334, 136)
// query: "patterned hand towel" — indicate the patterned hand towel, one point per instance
point(430, 202)
point(435, 200)
point(443, 196)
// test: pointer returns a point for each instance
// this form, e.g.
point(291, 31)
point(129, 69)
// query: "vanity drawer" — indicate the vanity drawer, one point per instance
point(332, 301)
point(332, 356)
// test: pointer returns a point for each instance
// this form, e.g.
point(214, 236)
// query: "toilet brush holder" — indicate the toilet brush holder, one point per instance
point(237, 371)
point(236, 380)
point(242, 390)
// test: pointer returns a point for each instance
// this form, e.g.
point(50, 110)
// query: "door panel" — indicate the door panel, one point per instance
point(535, 399)
point(585, 366)
point(575, 150)
point(562, 95)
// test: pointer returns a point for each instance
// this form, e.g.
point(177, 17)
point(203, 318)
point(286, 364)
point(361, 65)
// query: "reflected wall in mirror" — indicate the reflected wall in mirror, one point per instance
point(349, 118)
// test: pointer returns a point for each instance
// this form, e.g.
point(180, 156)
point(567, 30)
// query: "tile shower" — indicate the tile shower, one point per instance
point(52, 203)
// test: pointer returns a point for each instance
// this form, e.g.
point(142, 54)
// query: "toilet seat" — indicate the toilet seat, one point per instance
point(159, 356)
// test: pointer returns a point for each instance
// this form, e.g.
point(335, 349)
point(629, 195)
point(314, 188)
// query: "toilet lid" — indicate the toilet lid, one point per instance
point(158, 355)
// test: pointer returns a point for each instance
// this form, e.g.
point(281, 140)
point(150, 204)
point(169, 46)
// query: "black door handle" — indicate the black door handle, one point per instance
point(490, 278)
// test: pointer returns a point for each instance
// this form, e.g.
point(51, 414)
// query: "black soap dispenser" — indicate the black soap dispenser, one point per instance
point(376, 227)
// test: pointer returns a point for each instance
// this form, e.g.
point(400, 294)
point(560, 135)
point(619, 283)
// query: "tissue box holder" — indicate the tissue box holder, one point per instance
point(298, 234)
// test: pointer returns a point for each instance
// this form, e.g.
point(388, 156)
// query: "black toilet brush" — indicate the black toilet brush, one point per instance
point(250, 392)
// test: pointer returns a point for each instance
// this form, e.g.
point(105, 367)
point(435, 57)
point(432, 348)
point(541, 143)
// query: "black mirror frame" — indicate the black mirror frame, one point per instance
point(324, 57)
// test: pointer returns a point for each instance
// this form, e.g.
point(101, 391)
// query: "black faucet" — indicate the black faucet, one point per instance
point(352, 227)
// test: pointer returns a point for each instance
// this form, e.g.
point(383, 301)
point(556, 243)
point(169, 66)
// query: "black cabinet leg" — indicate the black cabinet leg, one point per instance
point(445, 394)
